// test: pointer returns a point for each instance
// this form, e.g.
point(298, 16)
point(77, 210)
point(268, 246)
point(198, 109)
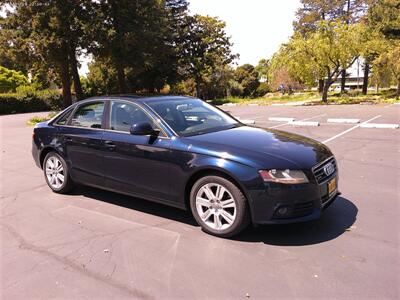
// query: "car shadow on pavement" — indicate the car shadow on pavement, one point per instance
point(336, 220)
point(138, 204)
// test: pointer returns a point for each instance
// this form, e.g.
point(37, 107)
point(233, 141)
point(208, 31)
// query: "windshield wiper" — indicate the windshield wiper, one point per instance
point(215, 129)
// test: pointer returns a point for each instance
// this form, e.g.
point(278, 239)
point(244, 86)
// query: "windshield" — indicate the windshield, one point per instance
point(191, 116)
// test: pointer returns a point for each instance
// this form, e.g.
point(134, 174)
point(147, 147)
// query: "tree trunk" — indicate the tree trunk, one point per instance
point(198, 89)
point(343, 82)
point(327, 84)
point(121, 78)
point(320, 86)
point(65, 81)
point(75, 74)
point(398, 90)
point(365, 80)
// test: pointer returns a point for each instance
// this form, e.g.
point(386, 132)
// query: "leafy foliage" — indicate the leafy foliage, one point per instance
point(10, 80)
point(323, 53)
point(206, 52)
point(247, 77)
point(46, 100)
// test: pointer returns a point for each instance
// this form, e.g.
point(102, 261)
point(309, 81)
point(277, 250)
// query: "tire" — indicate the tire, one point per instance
point(219, 206)
point(56, 173)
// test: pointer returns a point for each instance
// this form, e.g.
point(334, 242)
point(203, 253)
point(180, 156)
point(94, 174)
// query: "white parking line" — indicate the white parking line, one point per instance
point(350, 129)
point(280, 125)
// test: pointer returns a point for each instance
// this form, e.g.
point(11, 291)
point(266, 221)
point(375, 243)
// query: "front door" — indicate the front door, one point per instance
point(134, 164)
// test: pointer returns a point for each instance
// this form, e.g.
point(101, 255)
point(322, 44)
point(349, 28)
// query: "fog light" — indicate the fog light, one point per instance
point(282, 211)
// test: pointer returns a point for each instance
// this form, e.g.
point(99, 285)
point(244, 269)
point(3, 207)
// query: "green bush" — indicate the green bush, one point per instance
point(28, 100)
point(26, 90)
point(262, 89)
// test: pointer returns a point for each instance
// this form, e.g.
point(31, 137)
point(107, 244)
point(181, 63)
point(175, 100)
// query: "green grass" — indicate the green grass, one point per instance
point(36, 119)
point(352, 97)
point(272, 98)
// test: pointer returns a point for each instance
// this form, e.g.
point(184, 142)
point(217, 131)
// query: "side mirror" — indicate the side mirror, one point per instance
point(143, 128)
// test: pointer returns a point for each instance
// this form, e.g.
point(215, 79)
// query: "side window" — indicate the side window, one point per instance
point(64, 118)
point(88, 115)
point(124, 115)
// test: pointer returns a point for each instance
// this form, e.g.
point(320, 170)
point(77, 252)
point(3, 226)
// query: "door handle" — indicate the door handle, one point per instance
point(109, 145)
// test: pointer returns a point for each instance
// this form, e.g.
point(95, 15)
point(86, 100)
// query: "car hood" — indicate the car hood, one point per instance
point(261, 148)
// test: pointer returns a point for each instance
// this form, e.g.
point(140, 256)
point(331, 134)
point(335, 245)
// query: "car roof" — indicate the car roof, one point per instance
point(140, 98)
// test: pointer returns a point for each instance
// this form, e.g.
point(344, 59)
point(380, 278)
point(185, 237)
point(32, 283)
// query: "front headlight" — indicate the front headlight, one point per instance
point(284, 176)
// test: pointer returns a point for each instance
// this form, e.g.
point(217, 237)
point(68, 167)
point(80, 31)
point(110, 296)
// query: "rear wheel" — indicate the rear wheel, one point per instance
point(56, 173)
point(219, 206)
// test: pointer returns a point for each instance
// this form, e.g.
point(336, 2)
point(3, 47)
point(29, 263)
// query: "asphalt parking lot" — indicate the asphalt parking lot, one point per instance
point(94, 244)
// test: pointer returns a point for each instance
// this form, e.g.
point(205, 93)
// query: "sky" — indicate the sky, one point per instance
point(257, 27)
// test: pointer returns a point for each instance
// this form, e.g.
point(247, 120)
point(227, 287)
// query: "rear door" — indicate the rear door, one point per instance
point(82, 138)
point(134, 164)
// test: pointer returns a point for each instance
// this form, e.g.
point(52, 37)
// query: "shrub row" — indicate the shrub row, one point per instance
point(22, 102)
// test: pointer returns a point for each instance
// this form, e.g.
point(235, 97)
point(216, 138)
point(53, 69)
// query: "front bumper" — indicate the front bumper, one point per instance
point(300, 203)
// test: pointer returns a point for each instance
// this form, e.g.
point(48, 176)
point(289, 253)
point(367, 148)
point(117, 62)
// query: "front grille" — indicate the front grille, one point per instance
point(319, 170)
point(324, 198)
point(302, 209)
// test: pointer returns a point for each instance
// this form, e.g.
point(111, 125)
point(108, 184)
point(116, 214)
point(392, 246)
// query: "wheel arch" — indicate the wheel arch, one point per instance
point(210, 171)
point(44, 152)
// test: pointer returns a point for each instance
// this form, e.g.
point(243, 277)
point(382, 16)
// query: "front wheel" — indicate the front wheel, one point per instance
point(219, 206)
point(56, 173)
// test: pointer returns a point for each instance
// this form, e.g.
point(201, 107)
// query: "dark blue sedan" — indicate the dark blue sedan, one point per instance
point(183, 152)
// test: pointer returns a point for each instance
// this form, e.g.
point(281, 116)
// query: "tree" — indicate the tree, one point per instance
point(206, 48)
point(262, 69)
point(78, 39)
point(177, 35)
point(101, 79)
point(390, 60)
point(309, 14)
point(44, 30)
point(133, 37)
point(350, 13)
point(325, 51)
point(247, 77)
point(313, 11)
point(382, 27)
point(384, 16)
point(11, 79)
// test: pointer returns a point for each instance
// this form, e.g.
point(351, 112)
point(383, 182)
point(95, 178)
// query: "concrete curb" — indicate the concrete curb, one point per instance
point(376, 125)
point(304, 123)
point(281, 119)
point(347, 121)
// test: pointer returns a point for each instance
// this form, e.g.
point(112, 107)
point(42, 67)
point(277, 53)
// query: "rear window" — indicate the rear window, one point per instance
point(88, 115)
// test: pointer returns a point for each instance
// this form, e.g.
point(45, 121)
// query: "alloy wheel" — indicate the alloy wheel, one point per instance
point(55, 172)
point(216, 206)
